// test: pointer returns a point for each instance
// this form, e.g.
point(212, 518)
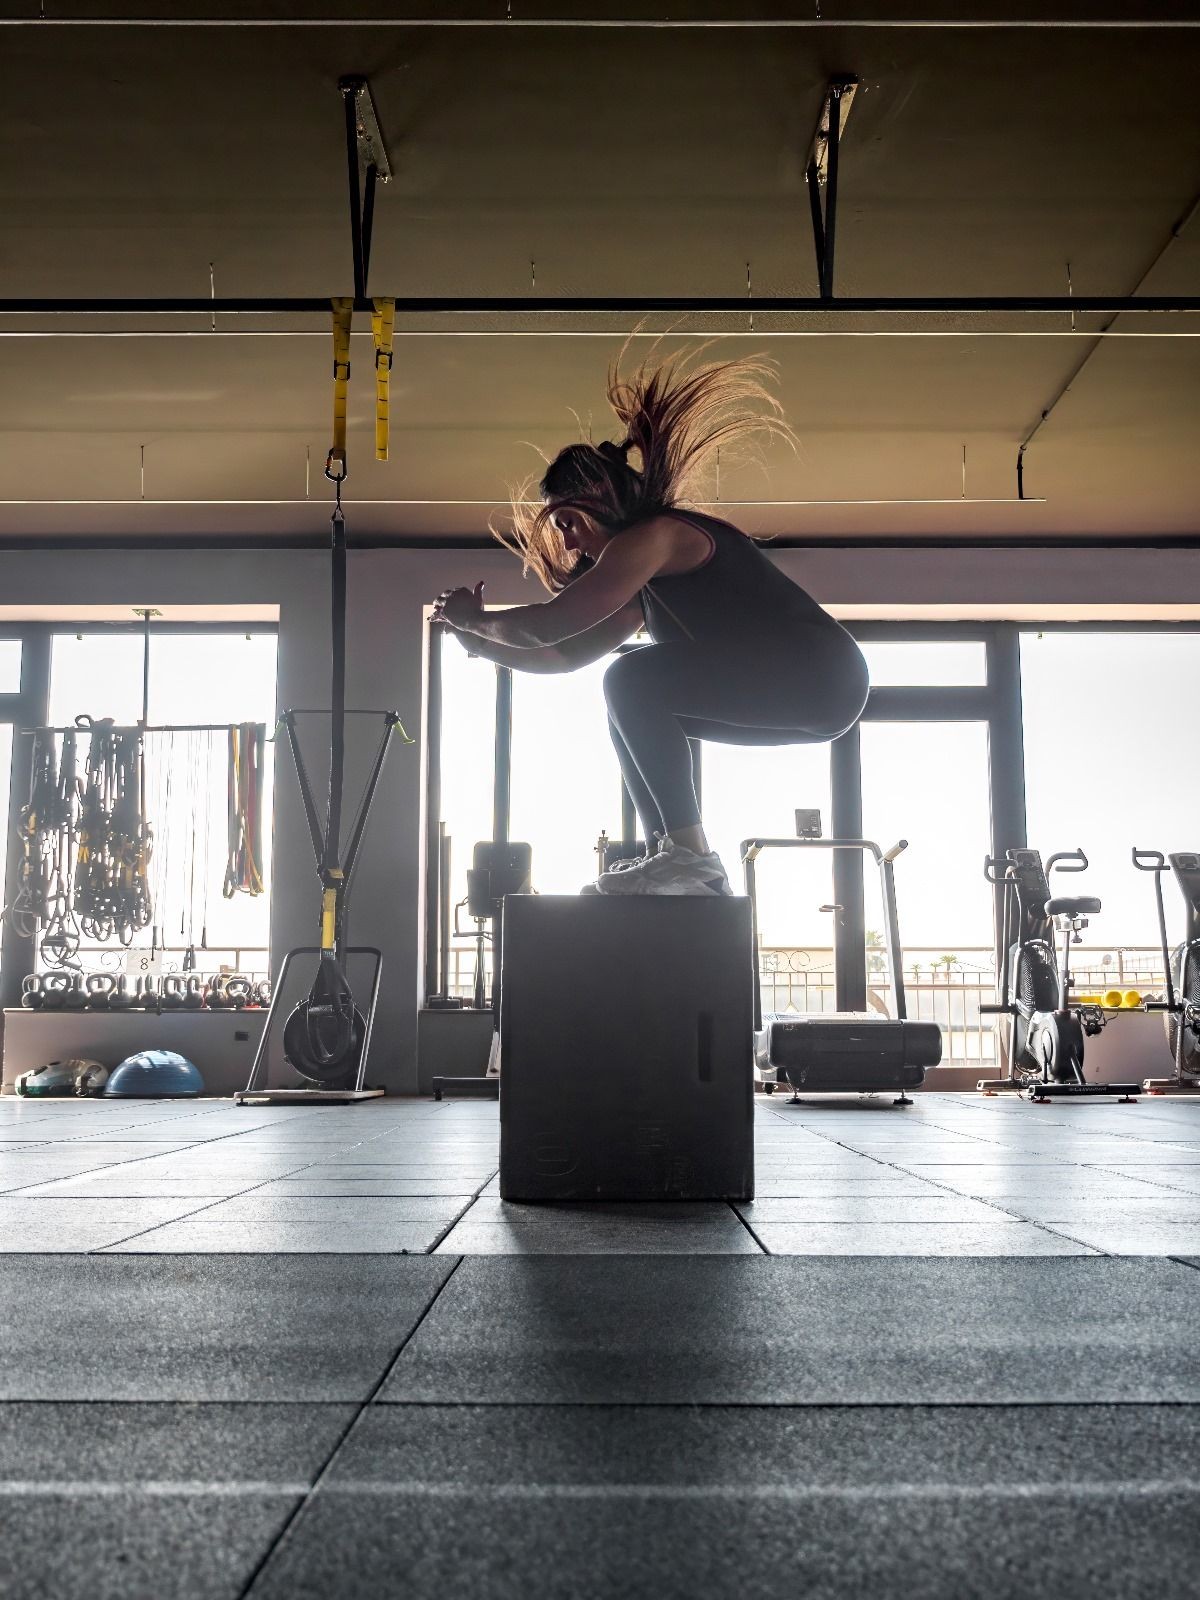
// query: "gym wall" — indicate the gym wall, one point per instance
point(388, 590)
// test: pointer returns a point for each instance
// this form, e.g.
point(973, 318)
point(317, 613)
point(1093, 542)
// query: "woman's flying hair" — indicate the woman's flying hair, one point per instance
point(676, 415)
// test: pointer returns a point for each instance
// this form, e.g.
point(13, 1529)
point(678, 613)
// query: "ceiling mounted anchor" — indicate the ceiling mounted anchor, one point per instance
point(822, 173)
point(367, 162)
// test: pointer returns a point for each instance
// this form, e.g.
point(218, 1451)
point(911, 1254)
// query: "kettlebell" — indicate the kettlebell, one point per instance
point(216, 998)
point(99, 986)
point(193, 995)
point(171, 998)
point(120, 997)
point(55, 986)
point(238, 992)
point(149, 997)
point(75, 998)
point(262, 993)
point(32, 997)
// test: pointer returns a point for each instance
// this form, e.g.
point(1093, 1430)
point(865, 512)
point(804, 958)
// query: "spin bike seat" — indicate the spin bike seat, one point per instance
point(1072, 906)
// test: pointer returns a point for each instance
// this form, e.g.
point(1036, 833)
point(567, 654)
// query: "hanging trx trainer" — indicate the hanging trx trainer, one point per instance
point(324, 1036)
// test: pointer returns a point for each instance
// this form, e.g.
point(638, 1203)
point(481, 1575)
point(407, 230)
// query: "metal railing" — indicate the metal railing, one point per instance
point(942, 986)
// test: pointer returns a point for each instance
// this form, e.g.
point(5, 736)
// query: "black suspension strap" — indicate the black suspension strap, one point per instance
point(115, 841)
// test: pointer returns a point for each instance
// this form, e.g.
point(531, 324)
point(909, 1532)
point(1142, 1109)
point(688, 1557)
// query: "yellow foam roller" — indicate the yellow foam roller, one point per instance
point(1113, 999)
point(1131, 999)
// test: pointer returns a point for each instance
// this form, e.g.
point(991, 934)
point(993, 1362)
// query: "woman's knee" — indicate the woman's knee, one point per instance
point(620, 675)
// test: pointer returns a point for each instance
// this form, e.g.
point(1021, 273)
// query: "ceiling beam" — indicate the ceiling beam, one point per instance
point(897, 305)
point(1177, 19)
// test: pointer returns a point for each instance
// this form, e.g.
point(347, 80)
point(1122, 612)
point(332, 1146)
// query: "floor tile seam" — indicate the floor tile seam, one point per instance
point(733, 1207)
point(133, 1161)
point(140, 1233)
point(1182, 1261)
point(1043, 1226)
point(153, 1122)
point(450, 1226)
point(938, 1127)
point(297, 1511)
point(1156, 1183)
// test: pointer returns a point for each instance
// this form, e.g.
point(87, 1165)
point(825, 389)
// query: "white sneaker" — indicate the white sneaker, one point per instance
point(674, 870)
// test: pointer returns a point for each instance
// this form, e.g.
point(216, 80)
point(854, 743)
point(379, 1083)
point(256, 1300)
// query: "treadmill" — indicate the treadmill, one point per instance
point(841, 1052)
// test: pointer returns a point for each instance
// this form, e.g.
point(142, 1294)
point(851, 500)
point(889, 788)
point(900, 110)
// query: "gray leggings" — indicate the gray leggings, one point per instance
point(662, 695)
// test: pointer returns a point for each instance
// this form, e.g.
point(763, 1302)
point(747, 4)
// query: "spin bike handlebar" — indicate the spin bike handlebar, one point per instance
point(1077, 856)
point(1149, 860)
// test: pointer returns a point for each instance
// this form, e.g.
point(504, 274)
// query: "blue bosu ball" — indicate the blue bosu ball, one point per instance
point(154, 1074)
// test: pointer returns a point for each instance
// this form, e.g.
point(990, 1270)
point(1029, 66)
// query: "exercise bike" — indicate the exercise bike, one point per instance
point(1046, 1039)
point(1182, 968)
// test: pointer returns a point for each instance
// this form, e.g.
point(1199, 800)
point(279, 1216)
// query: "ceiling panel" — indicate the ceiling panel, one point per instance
point(153, 162)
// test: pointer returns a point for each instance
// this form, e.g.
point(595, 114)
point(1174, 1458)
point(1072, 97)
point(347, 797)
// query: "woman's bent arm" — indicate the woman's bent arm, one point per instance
point(570, 654)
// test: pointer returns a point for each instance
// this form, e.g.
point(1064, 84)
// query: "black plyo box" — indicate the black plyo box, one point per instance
point(626, 1048)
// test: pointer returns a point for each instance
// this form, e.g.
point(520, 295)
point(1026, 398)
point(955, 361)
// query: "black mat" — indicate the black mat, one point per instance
point(152, 1500)
point(610, 1502)
point(207, 1327)
point(719, 1330)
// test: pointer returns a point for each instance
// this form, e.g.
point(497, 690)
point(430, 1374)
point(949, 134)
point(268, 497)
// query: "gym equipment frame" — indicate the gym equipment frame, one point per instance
point(1181, 967)
point(843, 1053)
point(1047, 1032)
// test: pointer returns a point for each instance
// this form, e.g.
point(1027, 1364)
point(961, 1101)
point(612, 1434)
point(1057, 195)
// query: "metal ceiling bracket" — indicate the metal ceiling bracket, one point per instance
point(822, 173)
point(367, 162)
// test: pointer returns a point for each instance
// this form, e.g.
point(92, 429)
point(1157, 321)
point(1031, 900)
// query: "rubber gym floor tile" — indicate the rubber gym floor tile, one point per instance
point(621, 1506)
point(320, 1328)
point(739, 1447)
point(312, 1183)
point(1124, 1211)
point(891, 1207)
point(1003, 1178)
point(599, 1236)
point(121, 1183)
point(968, 1154)
point(1003, 1237)
point(48, 1224)
point(1125, 1236)
point(852, 1330)
point(1075, 1189)
point(350, 1211)
point(118, 1444)
point(826, 1183)
point(1174, 1175)
point(199, 1236)
point(150, 1544)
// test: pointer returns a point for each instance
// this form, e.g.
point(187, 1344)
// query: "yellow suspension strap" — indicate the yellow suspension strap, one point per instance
point(383, 326)
point(343, 317)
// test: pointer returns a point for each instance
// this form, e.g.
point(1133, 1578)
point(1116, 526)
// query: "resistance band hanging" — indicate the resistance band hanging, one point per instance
point(383, 326)
point(243, 869)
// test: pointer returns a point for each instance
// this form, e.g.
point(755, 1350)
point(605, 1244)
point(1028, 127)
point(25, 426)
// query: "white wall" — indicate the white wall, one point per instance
point(388, 589)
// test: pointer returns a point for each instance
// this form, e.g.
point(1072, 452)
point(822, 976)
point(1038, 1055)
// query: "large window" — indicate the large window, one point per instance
point(1108, 762)
point(1111, 761)
point(566, 784)
point(196, 677)
point(927, 782)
